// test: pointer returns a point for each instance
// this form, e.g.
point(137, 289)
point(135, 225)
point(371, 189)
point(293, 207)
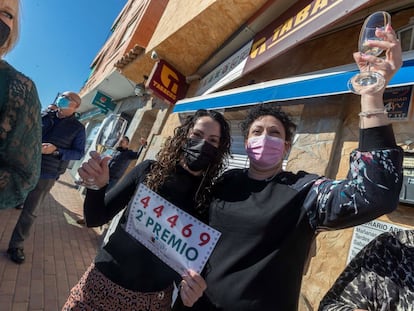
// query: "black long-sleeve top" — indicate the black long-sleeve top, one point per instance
point(121, 258)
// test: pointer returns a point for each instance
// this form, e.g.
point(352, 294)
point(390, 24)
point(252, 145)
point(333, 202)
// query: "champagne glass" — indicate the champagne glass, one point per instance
point(112, 130)
point(370, 81)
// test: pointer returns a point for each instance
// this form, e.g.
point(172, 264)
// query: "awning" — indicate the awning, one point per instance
point(331, 82)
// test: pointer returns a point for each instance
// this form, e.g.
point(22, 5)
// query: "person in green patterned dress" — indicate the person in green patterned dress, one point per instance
point(20, 124)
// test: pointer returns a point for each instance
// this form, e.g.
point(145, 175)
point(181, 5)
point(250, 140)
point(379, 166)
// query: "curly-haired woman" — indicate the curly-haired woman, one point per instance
point(125, 274)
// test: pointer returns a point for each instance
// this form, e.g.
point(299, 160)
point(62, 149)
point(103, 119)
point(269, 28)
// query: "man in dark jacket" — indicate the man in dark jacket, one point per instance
point(121, 159)
point(63, 139)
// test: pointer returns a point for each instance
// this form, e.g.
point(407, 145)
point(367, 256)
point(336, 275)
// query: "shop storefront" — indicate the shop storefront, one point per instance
point(310, 82)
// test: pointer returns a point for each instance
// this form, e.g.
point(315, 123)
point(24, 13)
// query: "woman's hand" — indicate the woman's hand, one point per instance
point(372, 102)
point(388, 65)
point(95, 171)
point(191, 288)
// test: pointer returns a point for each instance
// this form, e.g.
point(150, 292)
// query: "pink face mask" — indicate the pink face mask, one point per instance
point(265, 151)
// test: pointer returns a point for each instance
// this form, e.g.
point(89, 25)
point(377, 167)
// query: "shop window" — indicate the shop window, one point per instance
point(407, 190)
point(406, 37)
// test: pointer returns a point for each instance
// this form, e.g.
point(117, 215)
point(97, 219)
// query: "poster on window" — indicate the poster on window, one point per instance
point(398, 102)
point(177, 238)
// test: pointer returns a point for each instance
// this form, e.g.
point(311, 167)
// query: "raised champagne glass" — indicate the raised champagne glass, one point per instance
point(112, 130)
point(370, 81)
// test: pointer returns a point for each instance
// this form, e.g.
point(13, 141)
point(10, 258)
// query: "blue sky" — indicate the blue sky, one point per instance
point(59, 40)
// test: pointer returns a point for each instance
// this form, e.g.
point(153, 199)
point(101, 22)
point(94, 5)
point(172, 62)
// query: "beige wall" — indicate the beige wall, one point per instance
point(201, 28)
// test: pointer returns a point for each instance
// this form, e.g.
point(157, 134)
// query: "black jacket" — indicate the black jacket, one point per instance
point(120, 161)
point(61, 133)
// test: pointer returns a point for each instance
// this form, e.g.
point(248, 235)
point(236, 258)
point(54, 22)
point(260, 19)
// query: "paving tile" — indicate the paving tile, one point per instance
point(19, 306)
point(6, 302)
point(58, 252)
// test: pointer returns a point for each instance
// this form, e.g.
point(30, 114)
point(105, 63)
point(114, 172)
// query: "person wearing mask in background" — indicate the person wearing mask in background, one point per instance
point(119, 163)
point(268, 217)
point(20, 124)
point(380, 277)
point(143, 143)
point(121, 160)
point(63, 139)
point(125, 274)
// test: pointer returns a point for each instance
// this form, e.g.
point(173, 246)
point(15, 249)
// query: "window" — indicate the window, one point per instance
point(406, 37)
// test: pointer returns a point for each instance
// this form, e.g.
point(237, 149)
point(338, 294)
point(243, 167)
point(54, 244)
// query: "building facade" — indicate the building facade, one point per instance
point(230, 55)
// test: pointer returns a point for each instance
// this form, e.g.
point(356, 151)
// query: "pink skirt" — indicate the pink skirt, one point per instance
point(95, 292)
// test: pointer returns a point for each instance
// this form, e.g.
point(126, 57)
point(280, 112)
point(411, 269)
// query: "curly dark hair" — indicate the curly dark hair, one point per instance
point(268, 110)
point(170, 155)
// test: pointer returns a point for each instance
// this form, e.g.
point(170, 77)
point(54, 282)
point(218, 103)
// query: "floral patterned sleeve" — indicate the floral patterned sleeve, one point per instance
point(371, 190)
point(20, 138)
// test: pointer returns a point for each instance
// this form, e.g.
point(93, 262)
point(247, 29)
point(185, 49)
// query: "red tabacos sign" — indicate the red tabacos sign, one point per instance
point(301, 21)
point(167, 83)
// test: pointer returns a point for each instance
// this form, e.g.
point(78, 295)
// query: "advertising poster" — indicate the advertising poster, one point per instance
point(397, 102)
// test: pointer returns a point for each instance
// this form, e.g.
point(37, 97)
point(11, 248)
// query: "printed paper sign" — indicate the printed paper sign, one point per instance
point(365, 233)
point(180, 240)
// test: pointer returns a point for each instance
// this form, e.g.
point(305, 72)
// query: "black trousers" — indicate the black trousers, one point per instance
point(28, 215)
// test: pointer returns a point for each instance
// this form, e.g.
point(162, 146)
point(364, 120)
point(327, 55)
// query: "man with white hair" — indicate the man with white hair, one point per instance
point(63, 139)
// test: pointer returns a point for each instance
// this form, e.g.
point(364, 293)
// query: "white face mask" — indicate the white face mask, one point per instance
point(265, 151)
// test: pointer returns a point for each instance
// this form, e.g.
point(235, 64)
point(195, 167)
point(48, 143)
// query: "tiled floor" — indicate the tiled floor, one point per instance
point(57, 252)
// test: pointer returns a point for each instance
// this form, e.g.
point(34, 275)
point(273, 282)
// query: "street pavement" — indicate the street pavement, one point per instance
point(57, 253)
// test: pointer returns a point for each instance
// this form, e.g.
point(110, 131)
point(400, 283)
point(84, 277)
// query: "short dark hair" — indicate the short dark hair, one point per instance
point(127, 138)
point(261, 110)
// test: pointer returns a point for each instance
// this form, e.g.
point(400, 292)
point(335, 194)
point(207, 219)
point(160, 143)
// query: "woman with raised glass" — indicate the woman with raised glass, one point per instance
point(268, 217)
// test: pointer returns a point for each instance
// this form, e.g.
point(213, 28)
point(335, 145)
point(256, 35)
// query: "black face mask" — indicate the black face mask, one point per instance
point(4, 32)
point(198, 154)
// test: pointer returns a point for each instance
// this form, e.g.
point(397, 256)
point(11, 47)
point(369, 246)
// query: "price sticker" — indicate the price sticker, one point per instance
point(177, 238)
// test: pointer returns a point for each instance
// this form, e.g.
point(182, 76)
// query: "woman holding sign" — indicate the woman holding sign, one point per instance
point(268, 217)
point(126, 275)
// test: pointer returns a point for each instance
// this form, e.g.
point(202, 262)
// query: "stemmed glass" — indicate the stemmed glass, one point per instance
point(370, 80)
point(112, 130)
